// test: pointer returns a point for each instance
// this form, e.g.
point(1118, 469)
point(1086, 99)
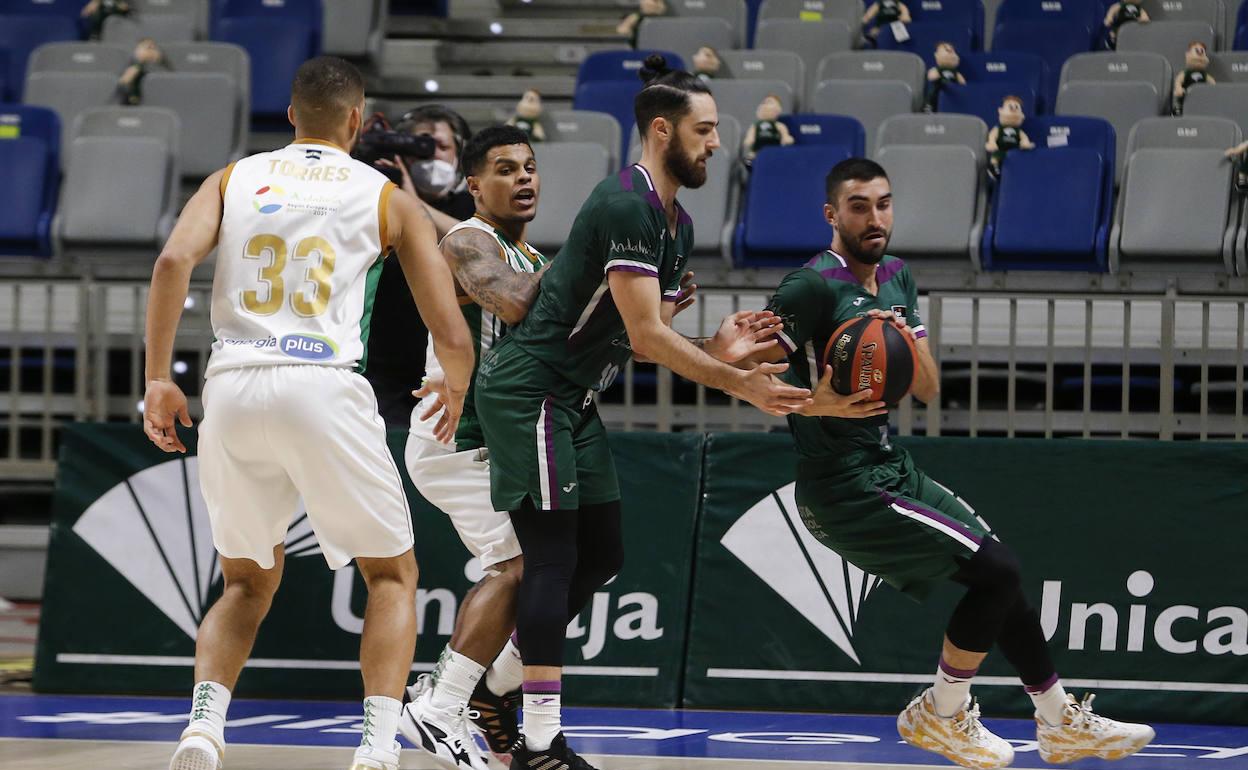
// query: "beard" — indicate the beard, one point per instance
point(683, 169)
point(866, 254)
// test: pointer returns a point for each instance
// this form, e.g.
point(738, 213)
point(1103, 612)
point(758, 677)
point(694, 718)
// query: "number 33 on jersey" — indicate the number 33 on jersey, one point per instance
point(303, 235)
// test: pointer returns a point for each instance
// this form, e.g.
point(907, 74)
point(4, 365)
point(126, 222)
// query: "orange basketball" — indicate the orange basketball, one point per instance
point(871, 353)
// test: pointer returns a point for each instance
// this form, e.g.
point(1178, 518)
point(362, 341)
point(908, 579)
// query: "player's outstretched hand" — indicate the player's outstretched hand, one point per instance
point(448, 403)
point(744, 333)
point(163, 402)
point(687, 289)
point(763, 389)
point(892, 318)
point(828, 403)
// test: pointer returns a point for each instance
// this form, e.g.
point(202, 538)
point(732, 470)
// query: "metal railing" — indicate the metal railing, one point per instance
point(1012, 364)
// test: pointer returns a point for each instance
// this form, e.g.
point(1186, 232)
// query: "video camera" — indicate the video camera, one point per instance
point(380, 142)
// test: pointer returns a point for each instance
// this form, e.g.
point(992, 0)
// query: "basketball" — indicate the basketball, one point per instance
point(871, 353)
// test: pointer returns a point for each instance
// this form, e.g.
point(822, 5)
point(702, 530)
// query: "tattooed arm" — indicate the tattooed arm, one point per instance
point(483, 275)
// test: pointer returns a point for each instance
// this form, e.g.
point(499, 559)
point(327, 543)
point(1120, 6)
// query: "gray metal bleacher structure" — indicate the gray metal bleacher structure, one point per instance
point(1010, 343)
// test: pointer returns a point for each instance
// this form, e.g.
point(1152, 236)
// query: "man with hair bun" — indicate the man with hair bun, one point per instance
point(609, 294)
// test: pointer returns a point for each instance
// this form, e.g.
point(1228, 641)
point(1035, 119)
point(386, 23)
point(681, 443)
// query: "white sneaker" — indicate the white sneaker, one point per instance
point(376, 758)
point(416, 689)
point(445, 735)
point(961, 738)
point(198, 750)
point(1085, 734)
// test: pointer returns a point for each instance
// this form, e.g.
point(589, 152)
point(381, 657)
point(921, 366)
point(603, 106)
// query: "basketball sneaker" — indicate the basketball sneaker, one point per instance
point(197, 750)
point(414, 690)
point(961, 738)
point(558, 757)
point(443, 734)
point(376, 758)
point(1085, 734)
point(497, 719)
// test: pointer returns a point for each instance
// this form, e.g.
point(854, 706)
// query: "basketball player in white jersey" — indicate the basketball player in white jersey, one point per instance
point(300, 234)
point(496, 274)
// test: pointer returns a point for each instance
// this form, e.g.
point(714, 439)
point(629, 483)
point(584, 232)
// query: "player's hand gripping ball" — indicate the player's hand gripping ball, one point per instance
point(871, 353)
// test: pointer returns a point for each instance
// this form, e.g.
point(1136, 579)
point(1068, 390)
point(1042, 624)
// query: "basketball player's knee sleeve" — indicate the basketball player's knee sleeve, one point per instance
point(993, 579)
point(548, 539)
point(600, 552)
point(1022, 642)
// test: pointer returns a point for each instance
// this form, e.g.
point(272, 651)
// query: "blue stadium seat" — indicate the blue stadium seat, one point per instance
point(1038, 188)
point(983, 99)
point(995, 66)
point(292, 11)
point(1086, 13)
point(619, 65)
point(614, 97)
point(69, 9)
point(5, 96)
point(1241, 28)
point(1053, 41)
point(276, 49)
point(20, 35)
point(783, 219)
point(969, 12)
point(30, 140)
point(808, 128)
point(924, 35)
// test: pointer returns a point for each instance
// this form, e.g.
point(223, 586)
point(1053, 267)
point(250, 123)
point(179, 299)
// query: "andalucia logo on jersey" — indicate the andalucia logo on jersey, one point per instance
point(773, 542)
point(153, 529)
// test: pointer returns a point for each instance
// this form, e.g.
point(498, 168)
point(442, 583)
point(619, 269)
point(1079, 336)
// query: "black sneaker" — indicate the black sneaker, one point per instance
point(497, 717)
point(557, 757)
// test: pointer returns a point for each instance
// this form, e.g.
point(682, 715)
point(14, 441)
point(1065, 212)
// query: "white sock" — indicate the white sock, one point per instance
point(541, 714)
point(381, 721)
point(1050, 701)
point(209, 702)
point(458, 678)
point(506, 673)
point(952, 688)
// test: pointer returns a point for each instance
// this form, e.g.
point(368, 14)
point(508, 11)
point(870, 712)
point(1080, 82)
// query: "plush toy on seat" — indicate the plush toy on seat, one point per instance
point(528, 115)
point(629, 24)
point(1194, 73)
point(1120, 13)
point(944, 73)
point(1008, 134)
point(146, 56)
point(706, 63)
point(767, 130)
point(883, 13)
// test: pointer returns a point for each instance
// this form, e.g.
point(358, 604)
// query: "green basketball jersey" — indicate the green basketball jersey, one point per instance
point(574, 325)
point(486, 328)
point(813, 302)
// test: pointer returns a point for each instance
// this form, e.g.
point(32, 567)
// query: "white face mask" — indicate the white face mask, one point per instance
point(434, 177)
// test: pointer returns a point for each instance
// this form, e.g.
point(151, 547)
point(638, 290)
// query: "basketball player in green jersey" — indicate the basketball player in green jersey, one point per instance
point(864, 498)
point(601, 300)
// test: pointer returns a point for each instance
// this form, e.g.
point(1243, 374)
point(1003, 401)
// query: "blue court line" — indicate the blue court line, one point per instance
point(630, 732)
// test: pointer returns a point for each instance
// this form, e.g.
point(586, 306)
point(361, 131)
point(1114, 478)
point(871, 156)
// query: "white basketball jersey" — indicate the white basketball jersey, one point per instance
point(298, 258)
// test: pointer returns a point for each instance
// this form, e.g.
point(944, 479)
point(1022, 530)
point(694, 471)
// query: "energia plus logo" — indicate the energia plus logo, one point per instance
point(772, 541)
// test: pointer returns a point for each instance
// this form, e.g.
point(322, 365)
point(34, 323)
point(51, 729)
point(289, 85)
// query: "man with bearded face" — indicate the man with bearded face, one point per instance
point(611, 292)
point(864, 498)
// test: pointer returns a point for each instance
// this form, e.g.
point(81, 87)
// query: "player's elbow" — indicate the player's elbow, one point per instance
point(643, 338)
point(926, 391)
point(173, 260)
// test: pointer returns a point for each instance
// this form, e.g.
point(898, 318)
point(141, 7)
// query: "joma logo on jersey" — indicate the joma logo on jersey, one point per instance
point(309, 347)
point(631, 247)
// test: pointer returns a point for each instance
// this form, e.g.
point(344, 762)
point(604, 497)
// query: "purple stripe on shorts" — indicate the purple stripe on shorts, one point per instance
point(633, 269)
point(932, 515)
point(544, 686)
point(626, 179)
point(551, 474)
point(784, 343)
point(959, 673)
point(1045, 686)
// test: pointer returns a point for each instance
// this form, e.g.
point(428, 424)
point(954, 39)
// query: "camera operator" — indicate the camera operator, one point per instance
point(429, 169)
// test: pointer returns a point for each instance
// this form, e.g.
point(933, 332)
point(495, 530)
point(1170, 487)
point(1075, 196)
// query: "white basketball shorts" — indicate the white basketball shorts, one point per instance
point(273, 434)
point(458, 484)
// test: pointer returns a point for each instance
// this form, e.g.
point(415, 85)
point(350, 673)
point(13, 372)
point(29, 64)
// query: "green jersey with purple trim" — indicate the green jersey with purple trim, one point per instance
point(574, 325)
point(813, 302)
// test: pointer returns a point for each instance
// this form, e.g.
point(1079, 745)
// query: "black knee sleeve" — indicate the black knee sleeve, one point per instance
point(992, 577)
point(1022, 642)
point(600, 552)
point(549, 542)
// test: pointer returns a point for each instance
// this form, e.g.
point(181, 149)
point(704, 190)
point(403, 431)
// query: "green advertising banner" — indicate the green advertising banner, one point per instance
point(132, 569)
point(1132, 552)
